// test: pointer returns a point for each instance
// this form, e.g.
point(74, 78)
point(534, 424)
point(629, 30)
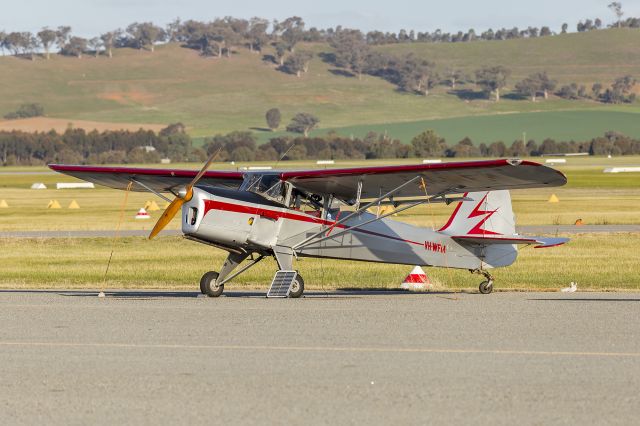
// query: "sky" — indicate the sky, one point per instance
point(91, 17)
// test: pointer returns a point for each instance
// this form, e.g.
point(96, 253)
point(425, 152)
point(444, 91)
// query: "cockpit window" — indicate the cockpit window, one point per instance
point(268, 185)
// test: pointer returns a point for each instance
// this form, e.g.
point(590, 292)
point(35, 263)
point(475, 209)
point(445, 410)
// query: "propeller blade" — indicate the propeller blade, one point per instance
point(167, 215)
point(177, 202)
point(204, 169)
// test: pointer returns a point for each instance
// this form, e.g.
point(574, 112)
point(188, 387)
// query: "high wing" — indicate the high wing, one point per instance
point(440, 179)
point(159, 180)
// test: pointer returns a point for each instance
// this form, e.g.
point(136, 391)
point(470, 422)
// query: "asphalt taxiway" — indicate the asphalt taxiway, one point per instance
point(69, 357)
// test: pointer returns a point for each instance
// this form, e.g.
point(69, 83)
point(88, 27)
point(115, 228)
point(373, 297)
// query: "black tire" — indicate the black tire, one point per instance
point(486, 287)
point(297, 288)
point(208, 284)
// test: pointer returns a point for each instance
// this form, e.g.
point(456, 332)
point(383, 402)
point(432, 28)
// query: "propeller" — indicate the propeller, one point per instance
point(184, 194)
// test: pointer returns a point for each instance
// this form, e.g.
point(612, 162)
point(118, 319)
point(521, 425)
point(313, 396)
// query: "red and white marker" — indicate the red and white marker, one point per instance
point(416, 280)
point(142, 214)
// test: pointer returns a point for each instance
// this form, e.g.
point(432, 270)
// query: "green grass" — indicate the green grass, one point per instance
point(219, 95)
point(590, 195)
point(595, 262)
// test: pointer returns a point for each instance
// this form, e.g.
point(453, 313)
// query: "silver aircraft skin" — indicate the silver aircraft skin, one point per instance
point(338, 214)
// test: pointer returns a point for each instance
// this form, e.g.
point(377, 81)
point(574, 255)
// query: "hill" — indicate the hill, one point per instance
point(219, 95)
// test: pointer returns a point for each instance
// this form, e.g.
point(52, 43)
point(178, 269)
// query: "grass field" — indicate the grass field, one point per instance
point(593, 261)
point(602, 261)
point(591, 195)
point(219, 95)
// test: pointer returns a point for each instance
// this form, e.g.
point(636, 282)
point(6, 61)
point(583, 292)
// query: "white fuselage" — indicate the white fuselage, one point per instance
point(247, 222)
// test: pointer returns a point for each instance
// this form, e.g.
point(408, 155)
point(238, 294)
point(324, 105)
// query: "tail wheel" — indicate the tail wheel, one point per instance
point(486, 287)
point(297, 288)
point(209, 286)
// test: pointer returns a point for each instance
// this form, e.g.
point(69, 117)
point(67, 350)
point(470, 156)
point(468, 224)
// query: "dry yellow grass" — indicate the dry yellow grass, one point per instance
point(595, 262)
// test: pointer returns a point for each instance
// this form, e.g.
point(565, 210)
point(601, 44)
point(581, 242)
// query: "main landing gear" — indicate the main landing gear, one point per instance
point(212, 283)
point(486, 286)
point(297, 288)
point(209, 284)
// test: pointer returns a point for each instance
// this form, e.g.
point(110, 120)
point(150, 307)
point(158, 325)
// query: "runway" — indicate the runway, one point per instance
point(525, 230)
point(329, 358)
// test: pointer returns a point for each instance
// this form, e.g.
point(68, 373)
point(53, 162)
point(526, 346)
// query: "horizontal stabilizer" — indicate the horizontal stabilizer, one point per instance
point(541, 242)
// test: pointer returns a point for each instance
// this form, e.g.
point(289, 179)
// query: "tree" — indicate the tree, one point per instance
point(572, 91)
point(417, 75)
point(47, 38)
point(565, 26)
point(257, 34)
point(621, 90)
point(545, 31)
point(109, 40)
point(351, 51)
point(13, 41)
point(233, 31)
point(273, 118)
point(616, 8)
point(172, 30)
point(298, 63)
point(75, 47)
point(428, 144)
point(144, 35)
point(62, 36)
point(26, 111)
point(281, 51)
point(492, 79)
point(530, 86)
point(453, 75)
point(291, 31)
point(303, 123)
point(596, 89)
point(95, 44)
point(21, 43)
point(546, 84)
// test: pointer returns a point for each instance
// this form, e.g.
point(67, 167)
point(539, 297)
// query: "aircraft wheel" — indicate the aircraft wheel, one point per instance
point(486, 287)
point(208, 284)
point(297, 288)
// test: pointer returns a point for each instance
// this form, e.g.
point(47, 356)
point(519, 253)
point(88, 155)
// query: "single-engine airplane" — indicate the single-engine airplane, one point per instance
point(292, 214)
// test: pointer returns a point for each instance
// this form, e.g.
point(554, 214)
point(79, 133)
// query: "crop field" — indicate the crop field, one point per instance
point(595, 261)
point(581, 125)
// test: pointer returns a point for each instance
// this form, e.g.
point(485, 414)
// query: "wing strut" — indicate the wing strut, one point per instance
point(357, 212)
point(168, 200)
point(351, 228)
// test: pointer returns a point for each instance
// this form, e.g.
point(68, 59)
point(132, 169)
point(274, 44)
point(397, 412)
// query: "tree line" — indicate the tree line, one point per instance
point(76, 146)
point(221, 36)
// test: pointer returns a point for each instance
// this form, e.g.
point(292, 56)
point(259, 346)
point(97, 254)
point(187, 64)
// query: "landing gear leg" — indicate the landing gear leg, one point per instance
point(486, 286)
point(212, 283)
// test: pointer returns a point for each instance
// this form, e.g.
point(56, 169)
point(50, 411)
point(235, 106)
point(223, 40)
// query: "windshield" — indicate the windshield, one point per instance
point(268, 185)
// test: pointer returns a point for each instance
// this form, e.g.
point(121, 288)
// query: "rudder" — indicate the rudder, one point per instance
point(487, 213)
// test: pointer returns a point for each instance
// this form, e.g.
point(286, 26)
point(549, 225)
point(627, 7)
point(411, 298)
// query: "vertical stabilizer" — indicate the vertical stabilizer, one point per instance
point(487, 214)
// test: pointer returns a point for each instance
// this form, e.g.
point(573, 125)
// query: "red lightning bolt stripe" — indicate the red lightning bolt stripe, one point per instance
point(477, 212)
